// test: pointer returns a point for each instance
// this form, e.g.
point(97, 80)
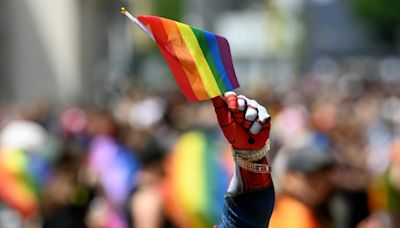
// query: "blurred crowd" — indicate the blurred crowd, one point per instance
point(350, 110)
point(155, 160)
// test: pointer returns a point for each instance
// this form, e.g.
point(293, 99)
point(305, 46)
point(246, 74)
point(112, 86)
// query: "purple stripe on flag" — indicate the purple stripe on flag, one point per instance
point(226, 56)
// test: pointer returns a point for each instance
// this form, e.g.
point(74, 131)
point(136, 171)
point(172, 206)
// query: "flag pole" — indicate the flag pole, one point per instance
point(137, 23)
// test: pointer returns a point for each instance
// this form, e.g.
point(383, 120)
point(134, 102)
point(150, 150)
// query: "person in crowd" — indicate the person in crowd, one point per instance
point(146, 203)
point(306, 186)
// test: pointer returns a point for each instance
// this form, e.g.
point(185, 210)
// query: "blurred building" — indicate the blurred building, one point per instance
point(334, 30)
point(4, 90)
point(42, 50)
point(82, 50)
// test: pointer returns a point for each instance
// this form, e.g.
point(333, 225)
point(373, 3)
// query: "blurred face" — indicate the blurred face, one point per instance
point(100, 123)
point(319, 187)
point(312, 189)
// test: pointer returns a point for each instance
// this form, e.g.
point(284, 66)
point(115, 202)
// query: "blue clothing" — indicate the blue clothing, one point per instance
point(248, 209)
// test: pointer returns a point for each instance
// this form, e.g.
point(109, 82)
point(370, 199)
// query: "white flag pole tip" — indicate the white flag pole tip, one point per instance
point(137, 22)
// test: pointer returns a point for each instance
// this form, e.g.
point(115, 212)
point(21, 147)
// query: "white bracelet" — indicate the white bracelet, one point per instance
point(253, 167)
point(243, 158)
point(252, 155)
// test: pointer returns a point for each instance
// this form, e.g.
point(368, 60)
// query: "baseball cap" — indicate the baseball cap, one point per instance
point(308, 159)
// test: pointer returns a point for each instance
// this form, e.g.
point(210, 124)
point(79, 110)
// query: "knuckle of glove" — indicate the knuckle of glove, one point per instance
point(256, 127)
point(251, 113)
point(232, 101)
point(242, 102)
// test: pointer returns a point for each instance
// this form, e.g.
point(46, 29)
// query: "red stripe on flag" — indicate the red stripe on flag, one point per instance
point(169, 54)
point(185, 58)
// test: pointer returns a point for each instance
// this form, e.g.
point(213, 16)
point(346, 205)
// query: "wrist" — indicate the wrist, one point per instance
point(252, 171)
point(253, 160)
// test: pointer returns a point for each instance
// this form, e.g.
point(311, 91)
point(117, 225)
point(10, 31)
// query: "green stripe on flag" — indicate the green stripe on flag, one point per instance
point(201, 38)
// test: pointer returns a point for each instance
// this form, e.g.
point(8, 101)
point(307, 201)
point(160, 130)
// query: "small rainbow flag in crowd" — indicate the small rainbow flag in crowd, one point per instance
point(17, 188)
point(200, 61)
point(198, 178)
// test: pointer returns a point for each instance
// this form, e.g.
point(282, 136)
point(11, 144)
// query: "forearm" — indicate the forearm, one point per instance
point(246, 125)
point(250, 198)
point(252, 171)
point(248, 209)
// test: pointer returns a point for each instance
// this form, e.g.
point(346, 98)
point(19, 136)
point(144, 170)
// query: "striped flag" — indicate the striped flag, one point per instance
point(200, 61)
point(198, 178)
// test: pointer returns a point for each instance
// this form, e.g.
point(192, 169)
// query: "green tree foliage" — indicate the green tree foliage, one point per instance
point(382, 15)
point(171, 9)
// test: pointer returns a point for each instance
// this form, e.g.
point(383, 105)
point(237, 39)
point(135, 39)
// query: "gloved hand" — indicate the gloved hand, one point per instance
point(246, 126)
point(244, 122)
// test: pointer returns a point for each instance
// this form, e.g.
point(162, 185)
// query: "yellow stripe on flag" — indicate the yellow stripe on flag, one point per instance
point(189, 171)
point(185, 58)
point(201, 63)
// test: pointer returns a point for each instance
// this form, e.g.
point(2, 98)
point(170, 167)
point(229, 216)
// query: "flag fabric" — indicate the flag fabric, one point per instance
point(199, 179)
point(200, 61)
point(18, 188)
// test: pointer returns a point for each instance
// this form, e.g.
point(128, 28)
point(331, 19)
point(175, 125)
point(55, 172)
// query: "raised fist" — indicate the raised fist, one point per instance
point(244, 122)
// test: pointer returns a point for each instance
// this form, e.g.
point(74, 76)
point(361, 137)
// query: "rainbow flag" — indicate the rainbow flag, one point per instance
point(199, 178)
point(200, 61)
point(17, 188)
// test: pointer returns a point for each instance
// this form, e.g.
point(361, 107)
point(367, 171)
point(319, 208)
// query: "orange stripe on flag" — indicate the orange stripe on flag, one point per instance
point(155, 25)
point(185, 58)
point(202, 66)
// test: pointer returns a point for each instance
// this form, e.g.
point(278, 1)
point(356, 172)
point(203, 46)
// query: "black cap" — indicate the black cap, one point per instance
point(309, 159)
